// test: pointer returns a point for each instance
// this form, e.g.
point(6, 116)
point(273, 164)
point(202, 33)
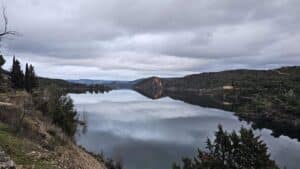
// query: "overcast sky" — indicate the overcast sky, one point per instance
point(129, 39)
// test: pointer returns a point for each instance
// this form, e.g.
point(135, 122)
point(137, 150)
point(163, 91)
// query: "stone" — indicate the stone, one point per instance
point(2, 159)
point(6, 162)
point(8, 165)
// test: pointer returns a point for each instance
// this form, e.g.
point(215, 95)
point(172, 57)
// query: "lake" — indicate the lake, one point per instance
point(152, 134)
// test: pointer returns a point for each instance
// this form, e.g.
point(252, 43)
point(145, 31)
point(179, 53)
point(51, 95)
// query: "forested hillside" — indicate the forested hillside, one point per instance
point(269, 98)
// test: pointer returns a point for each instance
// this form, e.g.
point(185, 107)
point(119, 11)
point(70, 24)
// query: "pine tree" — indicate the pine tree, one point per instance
point(61, 110)
point(17, 75)
point(27, 79)
point(231, 151)
point(30, 78)
point(2, 61)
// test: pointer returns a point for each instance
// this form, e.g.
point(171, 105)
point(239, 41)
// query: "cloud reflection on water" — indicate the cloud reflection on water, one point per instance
point(152, 134)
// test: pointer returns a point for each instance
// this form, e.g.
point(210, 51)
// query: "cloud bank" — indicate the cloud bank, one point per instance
point(129, 39)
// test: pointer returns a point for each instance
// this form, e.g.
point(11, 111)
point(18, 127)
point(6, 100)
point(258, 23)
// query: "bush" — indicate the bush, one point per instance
point(231, 151)
point(61, 110)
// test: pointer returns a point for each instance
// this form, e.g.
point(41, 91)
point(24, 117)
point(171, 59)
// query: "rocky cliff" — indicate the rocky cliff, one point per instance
point(151, 87)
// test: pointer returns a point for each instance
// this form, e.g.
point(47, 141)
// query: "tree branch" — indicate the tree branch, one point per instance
point(6, 32)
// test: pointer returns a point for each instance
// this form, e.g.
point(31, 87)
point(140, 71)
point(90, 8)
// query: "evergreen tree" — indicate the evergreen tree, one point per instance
point(33, 78)
point(17, 75)
point(231, 151)
point(61, 110)
point(2, 61)
point(26, 79)
point(30, 78)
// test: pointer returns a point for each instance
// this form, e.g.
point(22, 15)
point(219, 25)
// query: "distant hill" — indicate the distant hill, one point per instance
point(243, 78)
point(67, 86)
point(115, 84)
point(267, 98)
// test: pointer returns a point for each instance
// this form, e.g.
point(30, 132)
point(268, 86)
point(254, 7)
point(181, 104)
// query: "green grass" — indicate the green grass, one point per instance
point(18, 148)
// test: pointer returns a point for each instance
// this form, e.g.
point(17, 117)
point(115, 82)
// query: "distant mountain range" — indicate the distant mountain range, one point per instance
point(115, 84)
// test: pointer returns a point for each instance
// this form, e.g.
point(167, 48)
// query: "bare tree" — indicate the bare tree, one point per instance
point(25, 107)
point(6, 32)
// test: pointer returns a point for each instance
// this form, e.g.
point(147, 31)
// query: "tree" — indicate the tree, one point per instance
point(30, 80)
point(5, 31)
point(27, 85)
point(25, 107)
point(2, 61)
point(61, 110)
point(231, 151)
point(17, 75)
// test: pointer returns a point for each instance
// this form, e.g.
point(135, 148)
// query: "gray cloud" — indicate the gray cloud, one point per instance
point(100, 39)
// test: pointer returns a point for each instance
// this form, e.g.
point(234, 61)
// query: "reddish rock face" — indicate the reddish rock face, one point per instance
point(151, 87)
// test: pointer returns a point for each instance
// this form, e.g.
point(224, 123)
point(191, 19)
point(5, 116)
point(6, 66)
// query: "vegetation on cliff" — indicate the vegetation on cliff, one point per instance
point(37, 124)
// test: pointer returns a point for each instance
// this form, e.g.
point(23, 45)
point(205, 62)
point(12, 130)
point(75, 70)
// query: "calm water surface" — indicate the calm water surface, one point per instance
point(152, 134)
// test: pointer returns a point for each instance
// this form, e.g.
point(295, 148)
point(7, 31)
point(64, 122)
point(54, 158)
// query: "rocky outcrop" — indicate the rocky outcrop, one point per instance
point(5, 161)
point(72, 156)
point(151, 87)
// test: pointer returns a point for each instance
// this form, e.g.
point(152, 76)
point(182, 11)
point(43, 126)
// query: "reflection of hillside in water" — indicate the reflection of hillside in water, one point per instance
point(222, 101)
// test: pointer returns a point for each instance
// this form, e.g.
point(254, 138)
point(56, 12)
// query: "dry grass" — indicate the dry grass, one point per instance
point(39, 144)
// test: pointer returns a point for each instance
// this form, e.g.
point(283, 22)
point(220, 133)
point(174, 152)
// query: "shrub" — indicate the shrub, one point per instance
point(61, 110)
point(231, 151)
